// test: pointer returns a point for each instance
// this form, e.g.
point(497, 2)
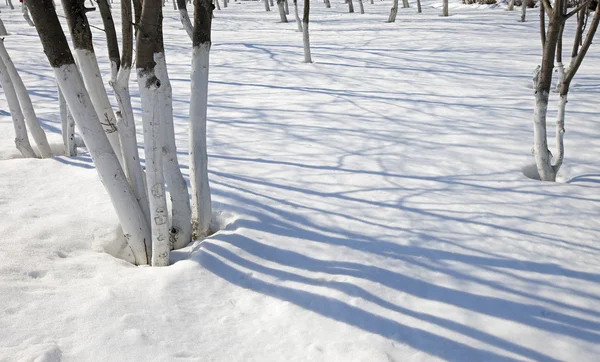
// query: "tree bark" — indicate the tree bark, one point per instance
point(350, 6)
point(38, 134)
point(361, 6)
point(67, 125)
point(86, 59)
point(185, 18)
point(111, 37)
point(149, 52)
point(282, 11)
point(21, 138)
point(511, 5)
point(305, 34)
point(419, 6)
point(26, 15)
point(393, 12)
point(298, 22)
point(201, 198)
point(267, 8)
point(523, 10)
point(444, 7)
point(327, 4)
point(57, 50)
point(405, 4)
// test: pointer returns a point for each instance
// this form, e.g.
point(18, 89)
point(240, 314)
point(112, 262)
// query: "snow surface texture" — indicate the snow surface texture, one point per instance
point(372, 203)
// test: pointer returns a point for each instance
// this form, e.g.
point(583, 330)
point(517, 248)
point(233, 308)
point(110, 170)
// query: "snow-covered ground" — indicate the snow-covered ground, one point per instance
point(372, 204)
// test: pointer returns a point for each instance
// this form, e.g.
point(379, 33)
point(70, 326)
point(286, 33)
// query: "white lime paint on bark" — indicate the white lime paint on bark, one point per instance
point(281, 8)
point(542, 155)
point(267, 8)
point(38, 134)
point(133, 222)
point(127, 132)
point(393, 12)
point(180, 231)
point(201, 201)
point(26, 15)
point(306, 42)
point(21, 138)
point(151, 119)
point(298, 21)
point(86, 60)
point(67, 125)
point(560, 134)
point(560, 69)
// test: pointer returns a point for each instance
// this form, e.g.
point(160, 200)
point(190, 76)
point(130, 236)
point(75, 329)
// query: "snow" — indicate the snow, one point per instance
point(371, 204)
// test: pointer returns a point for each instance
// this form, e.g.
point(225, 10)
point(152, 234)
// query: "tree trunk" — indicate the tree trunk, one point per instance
point(282, 11)
point(511, 5)
point(125, 118)
point(305, 34)
point(201, 199)
point(38, 134)
point(405, 4)
point(444, 7)
point(225, 3)
point(88, 65)
point(327, 4)
point(350, 6)
point(111, 38)
point(286, 7)
point(361, 7)
point(10, 5)
point(393, 12)
point(219, 6)
point(57, 50)
point(137, 12)
point(419, 6)
point(267, 8)
point(271, 2)
point(2, 29)
point(67, 125)
point(26, 15)
point(298, 22)
point(21, 138)
point(185, 18)
point(149, 54)
point(523, 10)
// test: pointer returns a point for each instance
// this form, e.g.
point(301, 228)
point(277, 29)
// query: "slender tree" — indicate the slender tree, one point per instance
point(350, 6)
point(444, 7)
point(111, 37)
point(305, 34)
point(201, 200)
point(393, 12)
point(280, 5)
point(298, 22)
point(185, 18)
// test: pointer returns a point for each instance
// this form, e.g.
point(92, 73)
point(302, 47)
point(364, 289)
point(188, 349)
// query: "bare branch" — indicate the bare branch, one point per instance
point(576, 10)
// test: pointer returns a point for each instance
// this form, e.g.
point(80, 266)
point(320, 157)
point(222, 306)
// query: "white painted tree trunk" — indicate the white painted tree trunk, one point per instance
point(38, 134)
point(286, 7)
point(180, 231)
point(201, 201)
point(151, 118)
point(523, 10)
point(281, 8)
point(560, 69)
point(560, 134)
point(21, 138)
point(133, 222)
point(361, 6)
point(298, 22)
point(405, 4)
point(186, 22)
point(267, 8)
point(128, 135)
point(67, 125)
point(306, 42)
point(444, 7)
point(393, 12)
point(327, 4)
point(93, 81)
point(2, 28)
point(511, 5)
point(26, 15)
point(543, 157)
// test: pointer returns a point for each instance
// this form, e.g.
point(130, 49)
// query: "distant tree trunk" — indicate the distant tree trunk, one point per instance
point(38, 134)
point(219, 6)
point(125, 119)
point(350, 6)
point(21, 138)
point(10, 5)
point(419, 6)
point(88, 65)
point(225, 3)
point(26, 15)
point(282, 11)
point(523, 10)
point(286, 7)
point(201, 198)
point(444, 7)
point(185, 18)
point(361, 7)
point(267, 8)
point(271, 2)
point(393, 12)
point(2, 28)
point(67, 125)
point(149, 54)
point(405, 4)
point(327, 4)
point(111, 37)
point(57, 50)
point(298, 22)
point(305, 34)
point(511, 5)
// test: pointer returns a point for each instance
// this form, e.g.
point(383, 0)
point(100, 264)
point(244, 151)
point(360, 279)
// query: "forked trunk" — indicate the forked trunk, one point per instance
point(21, 138)
point(201, 198)
point(305, 34)
point(38, 134)
point(282, 11)
point(56, 48)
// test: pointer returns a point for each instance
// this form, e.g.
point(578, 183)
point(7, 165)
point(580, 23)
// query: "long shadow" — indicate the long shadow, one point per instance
point(337, 310)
